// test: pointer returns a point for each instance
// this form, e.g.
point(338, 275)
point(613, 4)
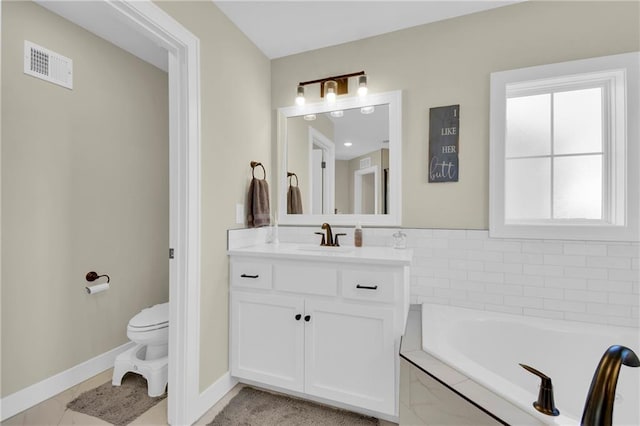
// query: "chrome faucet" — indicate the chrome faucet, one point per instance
point(598, 409)
point(329, 241)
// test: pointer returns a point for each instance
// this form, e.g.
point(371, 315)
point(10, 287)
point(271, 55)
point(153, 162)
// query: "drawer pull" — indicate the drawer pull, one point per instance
point(298, 316)
point(307, 318)
point(367, 287)
point(249, 276)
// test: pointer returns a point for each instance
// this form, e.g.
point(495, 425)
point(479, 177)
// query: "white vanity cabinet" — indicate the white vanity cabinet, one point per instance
point(317, 326)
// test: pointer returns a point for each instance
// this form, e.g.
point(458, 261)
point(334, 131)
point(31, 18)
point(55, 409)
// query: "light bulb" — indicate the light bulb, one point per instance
point(330, 91)
point(362, 85)
point(300, 97)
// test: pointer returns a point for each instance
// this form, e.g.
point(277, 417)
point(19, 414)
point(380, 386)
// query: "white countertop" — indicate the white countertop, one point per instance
point(347, 254)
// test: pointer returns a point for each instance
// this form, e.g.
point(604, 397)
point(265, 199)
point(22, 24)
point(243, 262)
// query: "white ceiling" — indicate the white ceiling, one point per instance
point(282, 28)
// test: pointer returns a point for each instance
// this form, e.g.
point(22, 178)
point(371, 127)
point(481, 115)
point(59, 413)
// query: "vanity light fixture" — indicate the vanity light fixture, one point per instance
point(367, 109)
point(362, 85)
point(337, 114)
point(300, 96)
point(309, 117)
point(331, 87)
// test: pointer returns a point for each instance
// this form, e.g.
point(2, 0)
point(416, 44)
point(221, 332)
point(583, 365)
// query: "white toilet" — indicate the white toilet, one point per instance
point(149, 357)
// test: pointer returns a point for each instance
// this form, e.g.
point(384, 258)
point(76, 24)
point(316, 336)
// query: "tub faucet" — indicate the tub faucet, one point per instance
point(598, 409)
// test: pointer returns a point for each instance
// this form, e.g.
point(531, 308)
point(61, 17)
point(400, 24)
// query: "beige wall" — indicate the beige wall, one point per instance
point(448, 63)
point(84, 187)
point(236, 128)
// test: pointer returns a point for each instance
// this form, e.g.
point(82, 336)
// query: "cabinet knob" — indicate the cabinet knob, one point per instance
point(307, 318)
point(298, 316)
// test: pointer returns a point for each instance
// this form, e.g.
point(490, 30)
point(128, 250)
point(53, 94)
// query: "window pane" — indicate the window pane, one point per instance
point(577, 187)
point(577, 122)
point(528, 126)
point(528, 189)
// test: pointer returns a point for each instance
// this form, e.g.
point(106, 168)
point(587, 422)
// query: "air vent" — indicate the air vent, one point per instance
point(47, 65)
point(365, 163)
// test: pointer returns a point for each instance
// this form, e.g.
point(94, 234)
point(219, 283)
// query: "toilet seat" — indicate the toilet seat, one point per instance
point(152, 318)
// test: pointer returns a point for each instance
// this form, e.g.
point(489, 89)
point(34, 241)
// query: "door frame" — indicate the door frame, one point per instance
point(184, 197)
point(357, 188)
point(328, 148)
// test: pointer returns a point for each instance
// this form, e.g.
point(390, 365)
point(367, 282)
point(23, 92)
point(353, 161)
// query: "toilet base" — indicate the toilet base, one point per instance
point(156, 371)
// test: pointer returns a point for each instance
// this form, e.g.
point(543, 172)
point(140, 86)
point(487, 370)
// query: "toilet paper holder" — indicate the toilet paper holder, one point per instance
point(92, 276)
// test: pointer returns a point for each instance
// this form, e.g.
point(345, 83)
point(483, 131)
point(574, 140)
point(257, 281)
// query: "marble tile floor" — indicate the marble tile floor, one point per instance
point(54, 411)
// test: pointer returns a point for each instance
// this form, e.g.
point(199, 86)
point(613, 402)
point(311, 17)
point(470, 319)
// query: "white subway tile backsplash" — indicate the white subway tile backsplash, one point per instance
point(623, 299)
point(530, 258)
point(543, 270)
point(544, 292)
point(571, 283)
point(624, 274)
point(542, 247)
point(609, 262)
point(564, 305)
point(543, 313)
point(594, 273)
point(523, 302)
point(610, 286)
point(609, 309)
point(564, 260)
point(594, 282)
point(585, 249)
point(624, 250)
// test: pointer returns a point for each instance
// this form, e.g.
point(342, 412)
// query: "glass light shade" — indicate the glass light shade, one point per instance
point(362, 85)
point(300, 96)
point(330, 91)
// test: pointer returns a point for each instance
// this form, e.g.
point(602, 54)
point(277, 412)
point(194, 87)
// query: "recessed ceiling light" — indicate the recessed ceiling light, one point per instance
point(348, 143)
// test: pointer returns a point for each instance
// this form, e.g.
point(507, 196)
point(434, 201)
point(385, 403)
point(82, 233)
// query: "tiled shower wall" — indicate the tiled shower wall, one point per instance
point(596, 282)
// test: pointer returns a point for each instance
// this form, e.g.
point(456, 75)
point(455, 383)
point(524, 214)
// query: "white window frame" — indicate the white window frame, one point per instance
point(619, 77)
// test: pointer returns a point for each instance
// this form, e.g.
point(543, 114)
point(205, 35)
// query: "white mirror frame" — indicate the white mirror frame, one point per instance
point(394, 217)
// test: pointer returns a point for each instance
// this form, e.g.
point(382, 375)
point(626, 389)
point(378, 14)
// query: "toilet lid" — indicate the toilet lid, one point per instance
point(153, 316)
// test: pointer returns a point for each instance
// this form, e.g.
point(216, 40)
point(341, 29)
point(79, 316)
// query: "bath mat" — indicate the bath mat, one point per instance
point(118, 405)
point(252, 407)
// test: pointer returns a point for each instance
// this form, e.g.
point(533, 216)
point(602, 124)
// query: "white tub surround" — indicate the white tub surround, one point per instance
point(487, 348)
point(322, 323)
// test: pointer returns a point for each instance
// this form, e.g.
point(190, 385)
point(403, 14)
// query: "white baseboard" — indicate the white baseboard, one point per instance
point(19, 401)
point(213, 394)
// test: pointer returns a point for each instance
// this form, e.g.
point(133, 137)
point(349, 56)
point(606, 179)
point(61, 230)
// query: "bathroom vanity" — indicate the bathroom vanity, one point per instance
point(323, 323)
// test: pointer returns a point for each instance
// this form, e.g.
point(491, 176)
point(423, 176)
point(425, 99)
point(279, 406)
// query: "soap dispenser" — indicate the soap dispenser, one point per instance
point(357, 235)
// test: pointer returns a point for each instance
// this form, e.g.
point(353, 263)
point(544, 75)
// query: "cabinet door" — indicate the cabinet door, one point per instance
point(350, 355)
point(267, 341)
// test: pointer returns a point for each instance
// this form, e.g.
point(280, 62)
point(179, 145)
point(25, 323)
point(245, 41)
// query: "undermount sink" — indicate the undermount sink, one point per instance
point(326, 249)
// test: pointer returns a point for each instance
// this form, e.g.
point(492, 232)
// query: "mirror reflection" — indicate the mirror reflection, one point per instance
point(338, 162)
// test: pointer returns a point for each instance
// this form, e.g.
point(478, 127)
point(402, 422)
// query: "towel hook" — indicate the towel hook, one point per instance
point(255, 164)
point(289, 175)
point(92, 276)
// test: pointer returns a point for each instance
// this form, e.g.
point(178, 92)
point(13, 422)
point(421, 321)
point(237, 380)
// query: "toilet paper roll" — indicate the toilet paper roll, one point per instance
point(93, 289)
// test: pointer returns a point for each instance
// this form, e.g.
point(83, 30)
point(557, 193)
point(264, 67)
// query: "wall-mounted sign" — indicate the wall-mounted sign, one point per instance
point(444, 130)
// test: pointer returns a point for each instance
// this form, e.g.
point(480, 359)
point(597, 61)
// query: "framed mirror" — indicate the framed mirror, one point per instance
point(341, 163)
